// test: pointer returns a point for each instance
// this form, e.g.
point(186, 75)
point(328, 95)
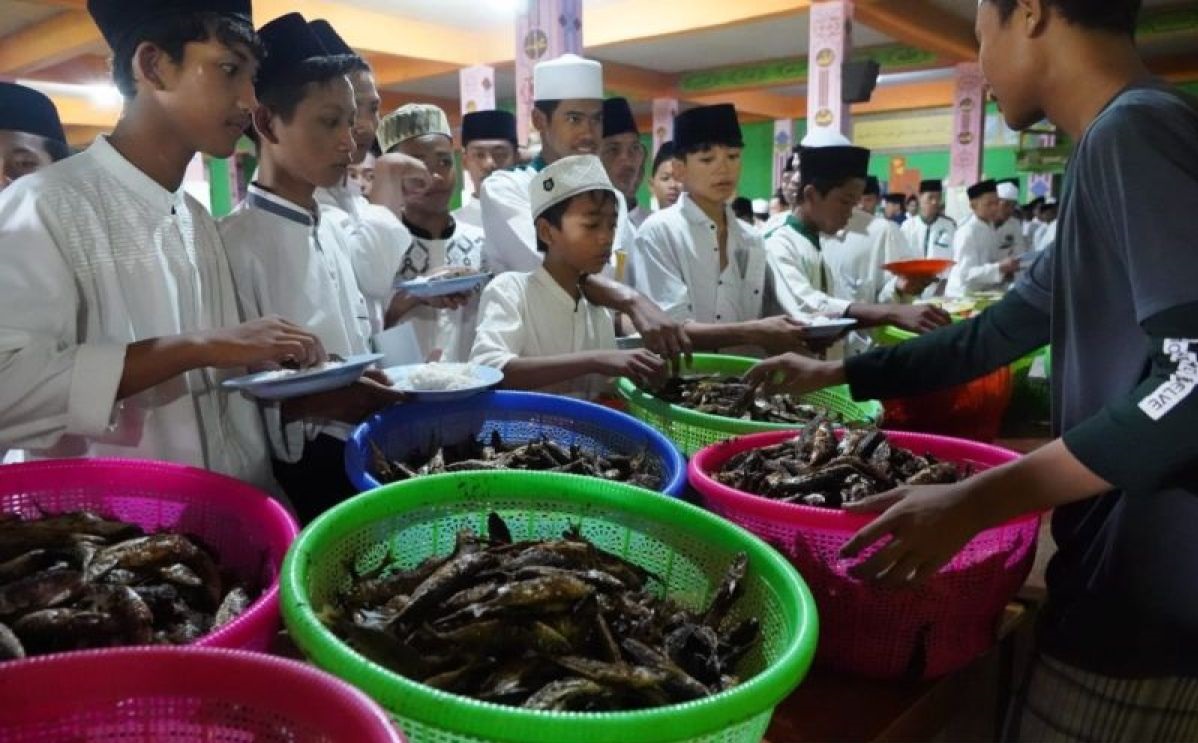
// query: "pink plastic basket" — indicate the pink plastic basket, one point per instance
point(182, 695)
point(248, 529)
point(926, 631)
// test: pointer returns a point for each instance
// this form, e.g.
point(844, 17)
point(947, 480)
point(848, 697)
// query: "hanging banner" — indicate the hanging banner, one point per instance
point(830, 42)
point(477, 88)
point(783, 142)
point(545, 30)
point(967, 145)
point(664, 111)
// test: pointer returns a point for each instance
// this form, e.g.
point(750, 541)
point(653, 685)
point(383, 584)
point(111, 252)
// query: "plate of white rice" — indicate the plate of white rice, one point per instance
point(283, 384)
point(443, 381)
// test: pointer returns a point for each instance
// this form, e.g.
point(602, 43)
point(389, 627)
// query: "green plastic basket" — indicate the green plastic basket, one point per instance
point(688, 547)
point(692, 430)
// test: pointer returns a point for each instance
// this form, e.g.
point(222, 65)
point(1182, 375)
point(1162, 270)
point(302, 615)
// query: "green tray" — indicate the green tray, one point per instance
point(688, 547)
point(692, 430)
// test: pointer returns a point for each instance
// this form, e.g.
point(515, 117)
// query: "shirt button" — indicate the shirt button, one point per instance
point(719, 317)
point(719, 283)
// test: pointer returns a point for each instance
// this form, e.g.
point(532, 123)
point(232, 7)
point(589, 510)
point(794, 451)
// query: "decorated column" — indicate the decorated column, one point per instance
point(783, 142)
point(968, 143)
point(831, 41)
point(545, 30)
point(664, 111)
point(477, 92)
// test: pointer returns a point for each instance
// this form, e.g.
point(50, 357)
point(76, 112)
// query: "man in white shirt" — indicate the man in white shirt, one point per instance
point(440, 244)
point(623, 155)
point(701, 264)
point(1008, 225)
point(489, 144)
point(931, 233)
point(537, 326)
point(827, 259)
point(31, 135)
point(870, 197)
point(287, 260)
point(982, 264)
point(118, 315)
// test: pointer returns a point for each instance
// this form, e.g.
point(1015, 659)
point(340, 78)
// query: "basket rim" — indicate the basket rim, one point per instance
point(356, 450)
point(628, 390)
point(465, 716)
point(715, 455)
point(350, 699)
point(267, 509)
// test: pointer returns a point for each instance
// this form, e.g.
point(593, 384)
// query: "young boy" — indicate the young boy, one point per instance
point(816, 272)
point(118, 315)
point(662, 184)
point(894, 207)
point(288, 260)
point(701, 264)
point(1117, 639)
point(439, 241)
point(377, 238)
point(870, 196)
point(931, 234)
point(623, 155)
point(982, 264)
point(538, 327)
point(31, 135)
point(489, 144)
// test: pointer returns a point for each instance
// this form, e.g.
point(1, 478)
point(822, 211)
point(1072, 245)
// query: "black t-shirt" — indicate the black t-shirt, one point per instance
point(1124, 586)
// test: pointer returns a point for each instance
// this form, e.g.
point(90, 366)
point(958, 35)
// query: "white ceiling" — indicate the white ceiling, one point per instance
point(466, 14)
point(775, 38)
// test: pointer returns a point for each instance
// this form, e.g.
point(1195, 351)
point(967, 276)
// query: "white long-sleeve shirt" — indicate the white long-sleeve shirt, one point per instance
point(933, 240)
point(525, 315)
point(377, 241)
point(977, 251)
point(1011, 237)
point(511, 243)
point(470, 213)
point(95, 256)
point(451, 331)
point(677, 264)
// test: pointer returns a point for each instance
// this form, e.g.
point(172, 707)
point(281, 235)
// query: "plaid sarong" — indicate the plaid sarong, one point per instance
point(1059, 702)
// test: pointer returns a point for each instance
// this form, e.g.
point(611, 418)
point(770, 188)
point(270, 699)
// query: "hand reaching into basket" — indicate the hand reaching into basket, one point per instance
point(927, 525)
point(796, 374)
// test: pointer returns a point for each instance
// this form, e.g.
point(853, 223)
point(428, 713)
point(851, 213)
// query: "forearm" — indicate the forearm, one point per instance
point(951, 355)
point(401, 305)
point(869, 315)
point(713, 337)
point(607, 292)
point(151, 362)
point(543, 371)
point(1045, 479)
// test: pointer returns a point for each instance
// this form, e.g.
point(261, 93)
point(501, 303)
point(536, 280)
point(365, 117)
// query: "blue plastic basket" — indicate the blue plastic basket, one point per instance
point(517, 416)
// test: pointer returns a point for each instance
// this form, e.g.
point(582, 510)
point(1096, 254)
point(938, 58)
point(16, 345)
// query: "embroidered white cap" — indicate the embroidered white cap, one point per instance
point(1008, 191)
point(411, 121)
point(569, 77)
point(567, 177)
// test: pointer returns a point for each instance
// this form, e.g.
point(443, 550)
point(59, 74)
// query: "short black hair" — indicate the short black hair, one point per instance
point(683, 152)
point(742, 208)
point(283, 94)
point(555, 213)
point(1115, 16)
point(824, 186)
point(781, 197)
point(664, 153)
point(55, 149)
point(547, 107)
point(171, 33)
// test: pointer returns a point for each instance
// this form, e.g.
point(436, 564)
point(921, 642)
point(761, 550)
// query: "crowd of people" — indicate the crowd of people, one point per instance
point(124, 304)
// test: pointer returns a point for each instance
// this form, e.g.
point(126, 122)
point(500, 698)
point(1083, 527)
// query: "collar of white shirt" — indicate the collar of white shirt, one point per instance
point(134, 178)
point(554, 290)
point(695, 215)
point(260, 198)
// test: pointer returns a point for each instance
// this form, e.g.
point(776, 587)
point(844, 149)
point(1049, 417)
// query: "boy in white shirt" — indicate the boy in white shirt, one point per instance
point(538, 327)
point(440, 243)
point(287, 259)
point(982, 263)
point(118, 316)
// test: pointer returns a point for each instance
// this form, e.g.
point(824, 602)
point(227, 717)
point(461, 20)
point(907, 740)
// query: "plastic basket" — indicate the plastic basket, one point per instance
point(973, 410)
point(925, 631)
point(689, 548)
point(517, 416)
point(1032, 396)
point(249, 531)
point(182, 695)
point(692, 430)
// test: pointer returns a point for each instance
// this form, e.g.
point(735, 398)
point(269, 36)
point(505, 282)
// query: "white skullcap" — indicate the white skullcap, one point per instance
point(567, 177)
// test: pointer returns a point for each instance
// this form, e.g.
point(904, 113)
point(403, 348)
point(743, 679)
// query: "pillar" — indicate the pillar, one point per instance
point(544, 30)
point(477, 93)
point(783, 142)
point(831, 41)
point(969, 110)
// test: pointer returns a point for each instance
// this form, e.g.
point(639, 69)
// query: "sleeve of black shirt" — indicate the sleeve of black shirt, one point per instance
point(1146, 440)
point(1007, 331)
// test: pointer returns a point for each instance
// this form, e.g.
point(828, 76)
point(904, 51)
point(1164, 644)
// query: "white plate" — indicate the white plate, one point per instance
point(630, 342)
point(829, 328)
point(485, 377)
point(273, 385)
point(424, 288)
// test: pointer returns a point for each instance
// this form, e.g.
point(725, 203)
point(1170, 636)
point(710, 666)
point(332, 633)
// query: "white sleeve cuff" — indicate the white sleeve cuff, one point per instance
point(94, 381)
point(835, 306)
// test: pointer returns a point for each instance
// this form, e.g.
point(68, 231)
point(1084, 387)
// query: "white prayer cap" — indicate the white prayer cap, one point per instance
point(761, 206)
point(1008, 191)
point(569, 77)
point(411, 121)
point(824, 137)
point(567, 177)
